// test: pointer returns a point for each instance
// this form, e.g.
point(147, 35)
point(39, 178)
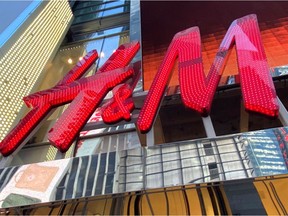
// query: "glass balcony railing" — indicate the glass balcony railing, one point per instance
point(211, 161)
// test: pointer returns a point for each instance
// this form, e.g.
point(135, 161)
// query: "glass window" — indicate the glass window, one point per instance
point(192, 174)
point(33, 155)
point(152, 159)
point(98, 7)
point(66, 59)
point(113, 11)
point(192, 161)
point(153, 168)
point(88, 17)
point(100, 33)
point(154, 181)
point(89, 10)
point(110, 45)
point(83, 4)
point(248, 197)
point(98, 13)
point(114, 3)
point(102, 3)
point(110, 143)
point(173, 130)
point(172, 178)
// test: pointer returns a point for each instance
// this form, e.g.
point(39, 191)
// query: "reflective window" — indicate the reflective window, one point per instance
point(105, 140)
point(109, 46)
point(38, 153)
point(245, 197)
point(83, 4)
point(115, 3)
point(177, 164)
point(64, 61)
point(89, 10)
point(67, 57)
point(97, 7)
point(98, 14)
point(113, 11)
point(100, 33)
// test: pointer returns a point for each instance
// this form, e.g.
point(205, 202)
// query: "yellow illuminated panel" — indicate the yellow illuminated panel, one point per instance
point(22, 64)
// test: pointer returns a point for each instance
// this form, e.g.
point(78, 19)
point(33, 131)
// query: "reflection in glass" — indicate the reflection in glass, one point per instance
point(263, 149)
point(99, 13)
point(100, 34)
point(244, 197)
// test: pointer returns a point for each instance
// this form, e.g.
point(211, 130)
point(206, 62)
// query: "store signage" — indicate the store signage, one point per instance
point(85, 94)
point(197, 90)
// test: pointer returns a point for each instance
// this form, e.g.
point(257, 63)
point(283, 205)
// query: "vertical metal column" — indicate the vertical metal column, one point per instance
point(208, 125)
point(239, 155)
point(6, 161)
point(244, 119)
point(150, 137)
point(59, 155)
point(283, 114)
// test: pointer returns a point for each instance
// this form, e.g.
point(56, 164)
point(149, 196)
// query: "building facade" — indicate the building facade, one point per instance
point(27, 45)
point(229, 162)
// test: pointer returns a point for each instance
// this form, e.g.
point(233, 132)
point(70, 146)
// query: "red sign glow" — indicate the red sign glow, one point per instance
point(85, 94)
point(197, 90)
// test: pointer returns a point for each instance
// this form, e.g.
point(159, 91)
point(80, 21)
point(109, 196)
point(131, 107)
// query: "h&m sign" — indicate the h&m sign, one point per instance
point(197, 90)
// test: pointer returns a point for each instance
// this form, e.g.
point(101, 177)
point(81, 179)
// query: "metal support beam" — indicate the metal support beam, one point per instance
point(150, 137)
point(244, 119)
point(283, 114)
point(209, 129)
point(6, 161)
point(59, 155)
point(142, 137)
point(159, 137)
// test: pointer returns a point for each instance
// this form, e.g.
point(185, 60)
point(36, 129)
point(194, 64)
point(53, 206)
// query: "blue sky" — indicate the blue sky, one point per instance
point(9, 11)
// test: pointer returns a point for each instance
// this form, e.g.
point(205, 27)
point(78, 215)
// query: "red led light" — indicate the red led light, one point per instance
point(120, 106)
point(41, 107)
point(197, 90)
point(25, 126)
point(121, 57)
point(75, 73)
point(88, 92)
point(73, 119)
point(82, 66)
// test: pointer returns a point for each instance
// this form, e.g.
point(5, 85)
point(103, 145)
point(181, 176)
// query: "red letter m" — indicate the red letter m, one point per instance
point(197, 90)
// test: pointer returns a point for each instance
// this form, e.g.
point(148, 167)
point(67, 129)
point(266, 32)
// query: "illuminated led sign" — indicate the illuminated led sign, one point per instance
point(120, 106)
point(85, 94)
point(197, 90)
